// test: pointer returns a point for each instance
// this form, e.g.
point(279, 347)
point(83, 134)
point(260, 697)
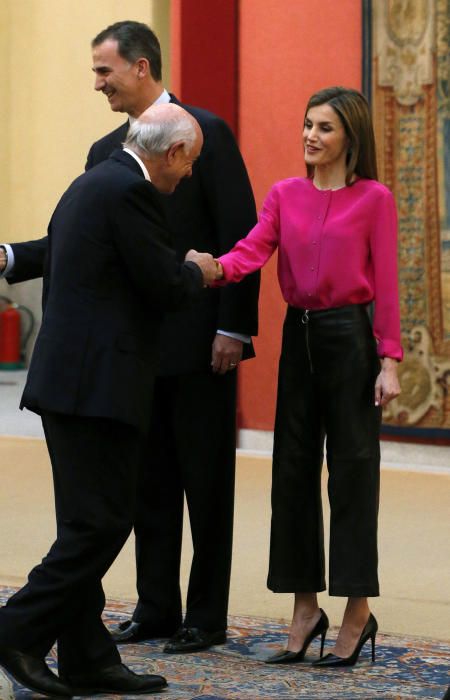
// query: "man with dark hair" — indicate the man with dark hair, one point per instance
point(135, 40)
point(91, 380)
point(192, 436)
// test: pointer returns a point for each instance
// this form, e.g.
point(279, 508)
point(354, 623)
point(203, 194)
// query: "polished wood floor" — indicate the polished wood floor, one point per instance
point(414, 541)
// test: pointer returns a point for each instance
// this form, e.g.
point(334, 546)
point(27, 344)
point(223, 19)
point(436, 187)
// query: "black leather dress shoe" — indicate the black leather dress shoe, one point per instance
point(33, 673)
point(130, 632)
point(193, 639)
point(116, 679)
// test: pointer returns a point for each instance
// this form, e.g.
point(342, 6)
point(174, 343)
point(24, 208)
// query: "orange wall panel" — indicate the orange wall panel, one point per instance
point(288, 49)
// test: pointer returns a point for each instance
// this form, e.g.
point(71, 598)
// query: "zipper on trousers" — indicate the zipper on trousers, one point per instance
point(305, 321)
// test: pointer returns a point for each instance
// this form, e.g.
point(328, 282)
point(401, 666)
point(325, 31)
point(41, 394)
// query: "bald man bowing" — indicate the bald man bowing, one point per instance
point(91, 379)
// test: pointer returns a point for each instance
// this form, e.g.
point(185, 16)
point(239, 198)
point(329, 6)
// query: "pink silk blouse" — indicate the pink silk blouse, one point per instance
point(335, 247)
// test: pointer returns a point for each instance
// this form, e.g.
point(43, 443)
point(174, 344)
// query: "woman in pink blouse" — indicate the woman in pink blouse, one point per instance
point(336, 234)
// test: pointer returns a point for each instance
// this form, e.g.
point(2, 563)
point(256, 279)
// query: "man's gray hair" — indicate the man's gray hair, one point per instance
point(155, 137)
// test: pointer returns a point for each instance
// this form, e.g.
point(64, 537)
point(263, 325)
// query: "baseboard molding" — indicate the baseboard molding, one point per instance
point(412, 457)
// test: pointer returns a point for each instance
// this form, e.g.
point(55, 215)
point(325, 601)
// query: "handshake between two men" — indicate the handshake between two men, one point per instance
point(211, 268)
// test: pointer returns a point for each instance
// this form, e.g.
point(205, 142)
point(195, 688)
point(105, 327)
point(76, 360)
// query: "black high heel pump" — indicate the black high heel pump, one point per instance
point(369, 632)
point(288, 657)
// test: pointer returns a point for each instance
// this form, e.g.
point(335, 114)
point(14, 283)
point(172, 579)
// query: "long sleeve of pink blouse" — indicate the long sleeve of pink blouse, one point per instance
point(334, 248)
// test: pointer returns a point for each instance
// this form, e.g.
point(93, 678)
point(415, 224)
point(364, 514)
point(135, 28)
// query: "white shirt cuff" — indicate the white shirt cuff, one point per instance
point(236, 336)
point(10, 263)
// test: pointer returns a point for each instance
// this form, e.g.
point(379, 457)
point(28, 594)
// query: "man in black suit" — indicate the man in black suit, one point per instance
point(91, 379)
point(193, 430)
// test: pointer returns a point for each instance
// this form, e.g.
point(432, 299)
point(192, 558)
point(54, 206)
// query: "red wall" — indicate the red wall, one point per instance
point(204, 55)
point(256, 62)
point(288, 49)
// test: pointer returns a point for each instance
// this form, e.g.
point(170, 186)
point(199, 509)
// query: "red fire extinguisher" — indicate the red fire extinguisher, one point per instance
point(11, 346)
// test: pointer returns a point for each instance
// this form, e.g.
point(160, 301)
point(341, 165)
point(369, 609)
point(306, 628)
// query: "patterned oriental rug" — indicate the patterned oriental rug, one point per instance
point(405, 668)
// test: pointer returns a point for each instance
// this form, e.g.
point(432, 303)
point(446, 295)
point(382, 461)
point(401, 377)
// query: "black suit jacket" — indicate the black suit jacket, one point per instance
point(110, 276)
point(209, 212)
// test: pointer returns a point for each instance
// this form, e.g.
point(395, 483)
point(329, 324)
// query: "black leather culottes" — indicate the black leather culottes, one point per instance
point(327, 374)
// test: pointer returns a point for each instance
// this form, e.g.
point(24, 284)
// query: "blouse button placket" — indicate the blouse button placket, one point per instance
point(316, 233)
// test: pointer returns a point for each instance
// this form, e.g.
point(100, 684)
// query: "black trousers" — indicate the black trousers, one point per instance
point(327, 374)
point(95, 467)
point(192, 443)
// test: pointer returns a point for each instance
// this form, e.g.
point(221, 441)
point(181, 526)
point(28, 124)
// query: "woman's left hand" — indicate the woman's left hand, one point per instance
point(387, 386)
